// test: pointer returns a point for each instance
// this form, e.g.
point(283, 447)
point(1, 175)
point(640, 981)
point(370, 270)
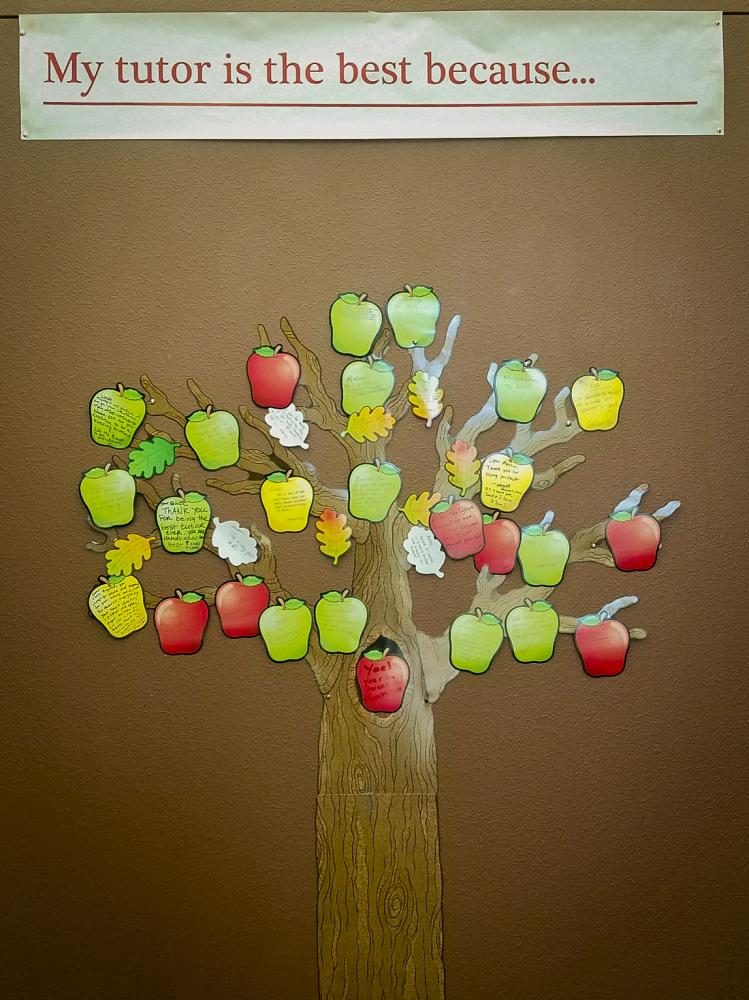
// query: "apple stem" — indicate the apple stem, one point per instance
point(289, 474)
point(529, 362)
point(385, 651)
point(281, 601)
point(238, 577)
point(181, 493)
point(344, 594)
point(528, 602)
point(408, 289)
point(594, 372)
point(377, 463)
point(103, 579)
point(370, 360)
point(278, 348)
point(496, 515)
point(178, 593)
point(120, 388)
point(107, 467)
point(451, 500)
point(208, 409)
point(478, 612)
point(362, 297)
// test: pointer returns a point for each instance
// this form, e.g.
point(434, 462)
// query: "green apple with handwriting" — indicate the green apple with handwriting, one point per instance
point(475, 640)
point(285, 628)
point(413, 315)
point(532, 629)
point(373, 489)
point(340, 621)
point(366, 383)
point(519, 390)
point(355, 323)
point(182, 521)
point(109, 495)
point(543, 554)
point(116, 414)
point(214, 437)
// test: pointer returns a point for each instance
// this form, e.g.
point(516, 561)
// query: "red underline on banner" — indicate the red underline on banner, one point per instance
point(262, 104)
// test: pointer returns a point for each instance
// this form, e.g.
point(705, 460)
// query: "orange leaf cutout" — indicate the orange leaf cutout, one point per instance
point(462, 466)
point(333, 534)
point(368, 425)
point(417, 508)
point(425, 396)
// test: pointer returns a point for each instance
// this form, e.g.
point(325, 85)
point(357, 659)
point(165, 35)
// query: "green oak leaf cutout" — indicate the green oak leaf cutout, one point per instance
point(151, 457)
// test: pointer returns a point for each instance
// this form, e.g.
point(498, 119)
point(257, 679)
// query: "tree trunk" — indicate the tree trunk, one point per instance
point(379, 875)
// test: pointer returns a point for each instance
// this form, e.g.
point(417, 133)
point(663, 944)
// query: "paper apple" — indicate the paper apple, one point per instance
point(597, 399)
point(506, 477)
point(475, 640)
point(340, 621)
point(500, 548)
point(382, 680)
point(180, 622)
point(355, 323)
point(373, 489)
point(519, 390)
point(109, 495)
point(603, 644)
point(118, 604)
point(273, 376)
point(413, 315)
point(458, 525)
point(239, 603)
point(634, 540)
point(366, 383)
point(543, 553)
point(532, 630)
point(214, 437)
point(287, 500)
point(116, 414)
point(285, 628)
point(182, 521)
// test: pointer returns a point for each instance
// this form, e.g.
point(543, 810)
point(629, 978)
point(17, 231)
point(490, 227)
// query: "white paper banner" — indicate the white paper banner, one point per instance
point(371, 76)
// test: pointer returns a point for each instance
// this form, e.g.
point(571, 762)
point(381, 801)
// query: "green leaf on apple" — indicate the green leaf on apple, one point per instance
point(132, 394)
point(374, 654)
point(487, 618)
point(276, 477)
point(252, 581)
point(389, 469)
point(193, 497)
point(350, 298)
point(191, 597)
point(197, 417)
point(421, 290)
point(293, 602)
point(95, 473)
point(151, 457)
point(264, 352)
point(334, 596)
point(606, 374)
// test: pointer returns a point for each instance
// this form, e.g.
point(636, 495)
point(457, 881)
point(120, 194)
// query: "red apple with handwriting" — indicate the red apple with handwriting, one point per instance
point(180, 622)
point(603, 644)
point(239, 603)
point(501, 543)
point(634, 540)
point(458, 526)
point(382, 680)
point(274, 376)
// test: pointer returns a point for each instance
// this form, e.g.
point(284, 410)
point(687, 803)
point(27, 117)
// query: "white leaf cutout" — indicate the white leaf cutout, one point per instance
point(234, 542)
point(288, 426)
point(424, 552)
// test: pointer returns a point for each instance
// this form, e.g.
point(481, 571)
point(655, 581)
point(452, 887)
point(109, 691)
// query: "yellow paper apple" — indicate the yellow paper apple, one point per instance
point(597, 398)
point(287, 500)
point(506, 477)
point(118, 604)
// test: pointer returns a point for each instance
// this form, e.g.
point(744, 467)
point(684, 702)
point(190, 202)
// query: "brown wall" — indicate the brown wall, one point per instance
point(159, 812)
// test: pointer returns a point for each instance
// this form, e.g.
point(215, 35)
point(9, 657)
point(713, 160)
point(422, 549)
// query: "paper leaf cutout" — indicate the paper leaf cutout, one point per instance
point(233, 542)
point(368, 425)
point(151, 457)
point(333, 534)
point(288, 426)
point(424, 552)
point(128, 554)
point(425, 396)
point(462, 466)
point(417, 508)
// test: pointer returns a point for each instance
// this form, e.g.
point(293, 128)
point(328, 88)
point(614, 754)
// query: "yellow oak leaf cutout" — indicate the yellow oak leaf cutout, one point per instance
point(368, 425)
point(462, 466)
point(417, 508)
point(425, 396)
point(128, 554)
point(333, 534)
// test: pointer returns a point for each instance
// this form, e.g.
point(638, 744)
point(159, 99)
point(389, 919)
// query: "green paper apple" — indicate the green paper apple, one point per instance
point(340, 620)
point(182, 521)
point(116, 414)
point(373, 489)
point(366, 383)
point(109, 495)
point(285, 628)
point(474, 641)
point(355, 323)
point(532, 630)
point(519, 390)
point(413, 315)
point(543, 554)
point(214, 437)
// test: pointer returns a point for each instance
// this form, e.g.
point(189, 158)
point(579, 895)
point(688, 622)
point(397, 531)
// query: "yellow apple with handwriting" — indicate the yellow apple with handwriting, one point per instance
point(287, 500)
point(597, 399)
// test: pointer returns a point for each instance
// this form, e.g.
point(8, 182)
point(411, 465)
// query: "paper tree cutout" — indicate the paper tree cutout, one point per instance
point(366, 383)
point(519, 390)
point(597, 398)
point(116, 414)
point(182, 521)
point(181, 622)
point(532, 629)
point(506, 477)
point(333, 534)
point(340, 620)
point(474, 641)
point(382, 678)
point(239, 603)
point(118, 604)
point(109, 495)
point(285, 628)
point(233, 542)
point(425, 396)
point(287, 500)
point(214, 437)
point(424, 552)
point(416, 508)
point(543, 553)
point(128, 554)
point(355, 324)
point(288, 426)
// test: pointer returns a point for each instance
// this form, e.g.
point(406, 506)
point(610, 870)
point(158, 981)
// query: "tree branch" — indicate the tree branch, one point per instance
point(328, 414)
point(399, 402)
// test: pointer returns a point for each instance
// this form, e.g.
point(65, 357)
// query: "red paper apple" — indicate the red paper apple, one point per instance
point(501, 542)
point(634, 540)
point(273, 376)
point(602, 644)
point(180, 622)
point(458, 526)
point(382, 680)
point(239, 603)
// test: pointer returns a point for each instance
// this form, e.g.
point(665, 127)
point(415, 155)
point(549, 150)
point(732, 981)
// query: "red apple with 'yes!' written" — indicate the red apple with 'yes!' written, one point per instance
point(273, 376)
point(180, 622)
point(634, 540)
point(382, 680)
point(458, 526)
point(501, 543)
point(603, 644)
point(239, 603)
